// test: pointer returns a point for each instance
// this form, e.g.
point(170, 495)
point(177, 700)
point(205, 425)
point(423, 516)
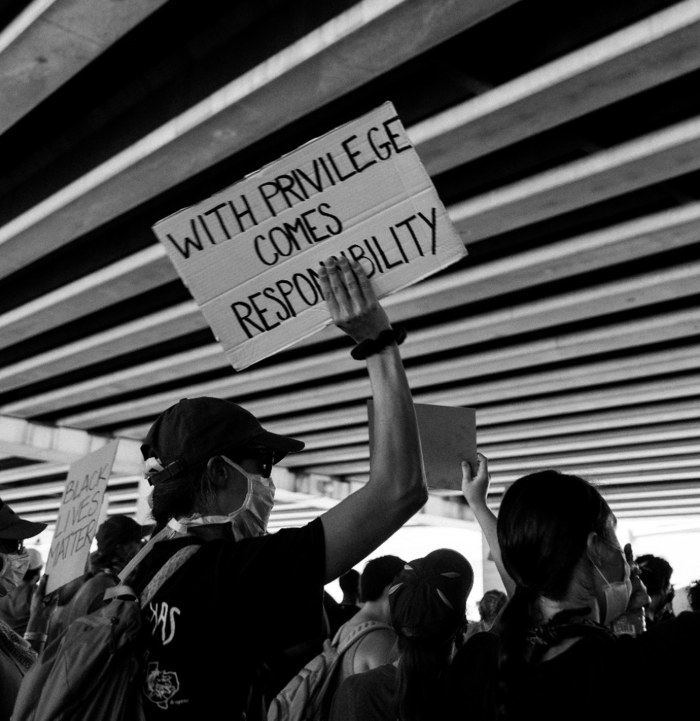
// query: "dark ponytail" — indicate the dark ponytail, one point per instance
point(513, 669)
point(427, 606)
point(420, 672)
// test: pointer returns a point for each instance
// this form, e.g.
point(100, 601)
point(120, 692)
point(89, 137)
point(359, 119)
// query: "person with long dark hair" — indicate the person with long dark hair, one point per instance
point(428, 611)
point(552, 653)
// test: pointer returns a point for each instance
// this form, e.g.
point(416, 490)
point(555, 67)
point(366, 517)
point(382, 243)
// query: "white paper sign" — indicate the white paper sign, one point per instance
point(250, 254)
point(79, 515)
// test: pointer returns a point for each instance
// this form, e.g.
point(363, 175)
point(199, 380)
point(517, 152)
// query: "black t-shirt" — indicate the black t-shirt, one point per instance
point(367, 696)
point(649, 677)
point(210, 625)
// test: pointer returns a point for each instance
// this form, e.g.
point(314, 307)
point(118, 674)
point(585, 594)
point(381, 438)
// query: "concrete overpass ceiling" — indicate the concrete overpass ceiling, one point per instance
point(563, 138)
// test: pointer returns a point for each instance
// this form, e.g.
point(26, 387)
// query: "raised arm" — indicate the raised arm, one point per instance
point(475, 489)
point(396, 488)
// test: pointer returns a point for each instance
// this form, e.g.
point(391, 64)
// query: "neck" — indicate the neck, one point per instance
point(547, 608)
point(373, 611)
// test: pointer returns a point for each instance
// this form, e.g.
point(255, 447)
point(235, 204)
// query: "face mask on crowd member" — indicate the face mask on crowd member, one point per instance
point(181, 452)
point(14, 566)
point(251, 518)
point(13, 556)
point(617, 594)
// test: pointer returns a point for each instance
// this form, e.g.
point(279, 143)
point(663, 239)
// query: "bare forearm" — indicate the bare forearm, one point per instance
point(397, 462)
point(488, 522)
point(396, 488)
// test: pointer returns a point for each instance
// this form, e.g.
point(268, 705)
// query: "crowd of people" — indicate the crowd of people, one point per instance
point(578, 627)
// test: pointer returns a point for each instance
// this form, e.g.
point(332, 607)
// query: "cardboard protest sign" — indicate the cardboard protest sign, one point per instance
point(250, 254)
point(447, 437)
point(79, 515)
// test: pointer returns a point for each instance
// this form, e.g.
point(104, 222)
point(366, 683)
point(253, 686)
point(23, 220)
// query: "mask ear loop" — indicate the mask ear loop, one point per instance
point(249, 480)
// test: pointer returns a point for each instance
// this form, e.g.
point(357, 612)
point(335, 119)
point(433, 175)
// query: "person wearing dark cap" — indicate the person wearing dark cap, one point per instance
point(15, 654)
point(119, 538)
point(427, 606)
point(209, 460)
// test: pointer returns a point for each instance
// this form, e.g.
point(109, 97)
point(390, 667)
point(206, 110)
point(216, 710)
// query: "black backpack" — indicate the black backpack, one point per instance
point(91, 672)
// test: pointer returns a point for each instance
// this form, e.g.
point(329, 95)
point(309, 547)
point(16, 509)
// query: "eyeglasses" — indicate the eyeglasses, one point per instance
point(264, 457)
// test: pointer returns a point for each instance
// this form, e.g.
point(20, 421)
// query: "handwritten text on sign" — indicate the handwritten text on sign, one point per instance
point(78, 516)
point(250, 254)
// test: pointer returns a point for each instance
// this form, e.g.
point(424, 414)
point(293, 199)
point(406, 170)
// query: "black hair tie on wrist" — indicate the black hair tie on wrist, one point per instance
point(371, 346)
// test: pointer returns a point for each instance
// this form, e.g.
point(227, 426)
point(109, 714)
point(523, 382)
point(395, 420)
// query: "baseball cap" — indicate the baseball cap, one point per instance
point(14, 528)
point(195, 429)
point(115, 530)
point(429, 598)
point(35, 559)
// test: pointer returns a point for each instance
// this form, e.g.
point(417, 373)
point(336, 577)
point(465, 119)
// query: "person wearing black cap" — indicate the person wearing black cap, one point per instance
point(209, 461)
point(427, 607)
point(15, 654)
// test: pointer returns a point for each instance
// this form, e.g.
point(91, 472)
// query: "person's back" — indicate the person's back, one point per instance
point(210, 464)
point(427, 609)
point(378, 646)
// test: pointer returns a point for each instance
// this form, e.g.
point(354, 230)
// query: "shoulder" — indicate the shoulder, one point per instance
point(375, 648)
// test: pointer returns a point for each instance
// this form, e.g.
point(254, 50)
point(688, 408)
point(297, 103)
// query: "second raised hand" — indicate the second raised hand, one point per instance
point(351, 300)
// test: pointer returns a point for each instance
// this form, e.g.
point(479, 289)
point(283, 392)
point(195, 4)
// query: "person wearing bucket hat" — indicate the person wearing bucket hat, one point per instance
point(209, 461)
point(427, 605)
point(15, 655)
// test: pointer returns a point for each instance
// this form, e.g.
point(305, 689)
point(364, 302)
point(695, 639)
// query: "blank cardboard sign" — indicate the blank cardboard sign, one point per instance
point(447, 436)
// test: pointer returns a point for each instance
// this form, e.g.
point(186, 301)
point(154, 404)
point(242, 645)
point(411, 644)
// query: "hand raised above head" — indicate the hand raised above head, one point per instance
point(351, 300)
point(475, 481)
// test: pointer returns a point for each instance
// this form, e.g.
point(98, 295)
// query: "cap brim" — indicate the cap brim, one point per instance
point(22, 529)
point(282, 445)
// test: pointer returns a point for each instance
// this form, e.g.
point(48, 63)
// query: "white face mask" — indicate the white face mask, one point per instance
point(617, 594)
point(14, 566)
point(251, 519)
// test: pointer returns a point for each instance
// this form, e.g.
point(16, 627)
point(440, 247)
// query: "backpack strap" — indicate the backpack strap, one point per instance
point(122, 590)
point(166, 571)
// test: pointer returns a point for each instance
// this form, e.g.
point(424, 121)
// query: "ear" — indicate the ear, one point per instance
point(218, 472)
point(596, 548)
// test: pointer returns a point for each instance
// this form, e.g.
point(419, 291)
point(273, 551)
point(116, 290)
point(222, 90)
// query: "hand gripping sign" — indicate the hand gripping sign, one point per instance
point(249, 254)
